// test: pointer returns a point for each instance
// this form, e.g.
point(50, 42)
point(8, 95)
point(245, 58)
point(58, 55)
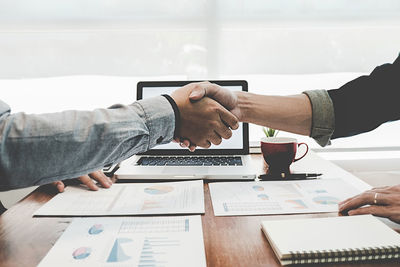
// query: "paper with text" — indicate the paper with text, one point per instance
point(128, 199)
point(134, 241)
point(279, 197)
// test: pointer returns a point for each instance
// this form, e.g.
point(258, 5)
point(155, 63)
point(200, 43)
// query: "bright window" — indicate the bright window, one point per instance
point(209, 39)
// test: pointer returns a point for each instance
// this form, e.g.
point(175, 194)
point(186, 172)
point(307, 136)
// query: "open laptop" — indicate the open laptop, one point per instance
point(229, 160)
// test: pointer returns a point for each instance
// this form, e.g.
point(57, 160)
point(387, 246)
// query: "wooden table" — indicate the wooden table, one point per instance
point(229, 241)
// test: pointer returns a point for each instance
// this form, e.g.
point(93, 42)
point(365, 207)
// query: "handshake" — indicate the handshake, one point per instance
point(208, 113)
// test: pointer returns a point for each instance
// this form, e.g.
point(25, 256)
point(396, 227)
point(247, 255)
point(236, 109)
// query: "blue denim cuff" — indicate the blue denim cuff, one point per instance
point(160, 120)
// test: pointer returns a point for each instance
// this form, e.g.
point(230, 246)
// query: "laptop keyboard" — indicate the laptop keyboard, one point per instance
point(190, 161)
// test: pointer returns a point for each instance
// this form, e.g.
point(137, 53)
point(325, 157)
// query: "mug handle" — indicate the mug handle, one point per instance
point(298, 145)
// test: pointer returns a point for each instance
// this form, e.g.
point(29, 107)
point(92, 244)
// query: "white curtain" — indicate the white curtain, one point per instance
point(200, 39)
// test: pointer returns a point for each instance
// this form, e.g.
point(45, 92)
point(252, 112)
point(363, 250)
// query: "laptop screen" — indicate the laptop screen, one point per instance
point(237, 144)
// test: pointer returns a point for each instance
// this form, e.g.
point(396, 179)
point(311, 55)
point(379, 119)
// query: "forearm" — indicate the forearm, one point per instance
point(287, 113)
point(37, 149)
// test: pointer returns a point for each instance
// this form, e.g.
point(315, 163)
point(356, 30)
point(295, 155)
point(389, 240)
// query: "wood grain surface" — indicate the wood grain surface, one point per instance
point(229, 241)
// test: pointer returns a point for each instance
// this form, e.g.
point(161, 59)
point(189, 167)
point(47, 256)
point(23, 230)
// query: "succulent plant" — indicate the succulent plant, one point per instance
point(269, 132)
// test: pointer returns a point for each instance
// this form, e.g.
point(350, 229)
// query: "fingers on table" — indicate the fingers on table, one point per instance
point(379, 202)
point(366, 198)
point(85, 179)
point(393, 189)
point(354, 202)
point(386, 189)
point(344, 201)
point(380, 188)
point(100, 177)
point(381, 211)
point(59, 185)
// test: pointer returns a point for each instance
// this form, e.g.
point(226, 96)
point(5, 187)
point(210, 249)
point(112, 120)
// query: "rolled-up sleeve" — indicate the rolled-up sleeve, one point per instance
point(358, 106)
point(323, 116)
point(41, 148)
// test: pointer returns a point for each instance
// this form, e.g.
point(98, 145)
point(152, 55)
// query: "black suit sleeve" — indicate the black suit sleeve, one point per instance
point(365, 103)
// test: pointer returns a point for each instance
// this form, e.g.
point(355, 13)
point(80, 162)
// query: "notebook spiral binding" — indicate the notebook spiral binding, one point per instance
point(325, 256)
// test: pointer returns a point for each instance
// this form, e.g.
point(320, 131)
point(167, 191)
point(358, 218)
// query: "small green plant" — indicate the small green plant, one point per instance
point(269, 132)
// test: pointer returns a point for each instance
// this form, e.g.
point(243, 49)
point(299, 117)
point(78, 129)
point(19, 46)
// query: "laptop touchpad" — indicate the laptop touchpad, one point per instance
point(185, 170)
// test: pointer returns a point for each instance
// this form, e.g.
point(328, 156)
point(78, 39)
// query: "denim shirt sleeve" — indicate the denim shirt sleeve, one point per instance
point(323, 116)
point(40, 148)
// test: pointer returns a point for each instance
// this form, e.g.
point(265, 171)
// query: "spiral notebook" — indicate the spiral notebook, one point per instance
point(334, 239)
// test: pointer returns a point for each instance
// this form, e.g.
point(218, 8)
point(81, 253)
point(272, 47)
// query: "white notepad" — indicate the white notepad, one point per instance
point(334, 239)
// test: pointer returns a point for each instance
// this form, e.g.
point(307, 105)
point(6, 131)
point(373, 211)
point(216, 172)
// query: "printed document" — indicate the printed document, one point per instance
point(135, 241)
point(128, 199)
point(279, 197)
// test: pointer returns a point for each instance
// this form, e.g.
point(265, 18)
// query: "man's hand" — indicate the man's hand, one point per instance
point(99, 176)
point(203, 122)
point(225, 97)
point(381, 201)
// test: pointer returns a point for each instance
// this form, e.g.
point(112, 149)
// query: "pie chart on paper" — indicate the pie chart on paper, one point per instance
point(326, 200)
point(81, 253)
point(258, 188)
point(158, 189)
point(96, 229)
point(263, 197)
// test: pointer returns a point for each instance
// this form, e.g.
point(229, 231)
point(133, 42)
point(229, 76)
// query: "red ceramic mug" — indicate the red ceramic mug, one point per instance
point(280, 152)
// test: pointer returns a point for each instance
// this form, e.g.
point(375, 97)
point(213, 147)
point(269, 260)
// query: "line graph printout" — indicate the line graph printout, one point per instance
point(130, 241)
point(128, 199)
point(279, 197)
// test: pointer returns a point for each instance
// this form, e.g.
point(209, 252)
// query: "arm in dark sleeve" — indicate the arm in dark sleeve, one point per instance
point(365, 103)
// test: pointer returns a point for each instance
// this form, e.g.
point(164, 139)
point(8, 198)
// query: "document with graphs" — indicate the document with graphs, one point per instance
point(279, 197)
point(130, 241)
point(128, 199)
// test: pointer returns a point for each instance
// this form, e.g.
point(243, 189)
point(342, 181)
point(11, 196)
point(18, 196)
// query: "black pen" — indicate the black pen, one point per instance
point(289, 177)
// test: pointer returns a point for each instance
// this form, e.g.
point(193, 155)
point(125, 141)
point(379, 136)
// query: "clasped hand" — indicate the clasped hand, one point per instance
point(204, 121)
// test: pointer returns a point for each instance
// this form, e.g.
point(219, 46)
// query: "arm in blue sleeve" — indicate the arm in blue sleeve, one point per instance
point(38, 149)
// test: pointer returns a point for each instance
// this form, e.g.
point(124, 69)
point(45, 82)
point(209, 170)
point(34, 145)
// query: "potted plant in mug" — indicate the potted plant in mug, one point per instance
point(269, 132)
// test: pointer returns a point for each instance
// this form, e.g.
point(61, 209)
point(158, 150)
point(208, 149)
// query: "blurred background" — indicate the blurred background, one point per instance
point(199, 39)
point(71, 54)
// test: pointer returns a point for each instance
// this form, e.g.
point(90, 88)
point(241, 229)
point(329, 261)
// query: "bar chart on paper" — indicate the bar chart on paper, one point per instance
point(138, 241)
point(279, 197)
